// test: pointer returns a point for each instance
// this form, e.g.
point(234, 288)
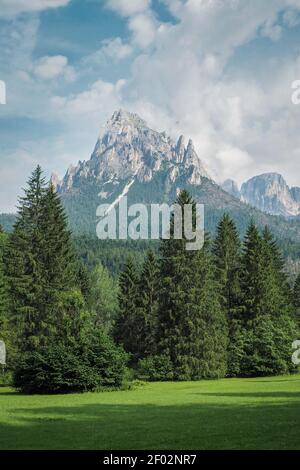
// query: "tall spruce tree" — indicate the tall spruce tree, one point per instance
point(274, 256)
point(84, 280)
point(3, 303)
point(296, 299)
point(128, 326)
point(227, 259)
point(251, 273)
point(267, 310)
point(103, 298)
point(64, 292)
point(40, 264)
point(23, 265)
point(264, 282)
point(59, 260)
point(148, 291)
point(226, 250)
point(192, 324)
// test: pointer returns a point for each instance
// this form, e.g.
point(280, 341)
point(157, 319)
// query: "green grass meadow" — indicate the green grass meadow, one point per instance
point(226, 414)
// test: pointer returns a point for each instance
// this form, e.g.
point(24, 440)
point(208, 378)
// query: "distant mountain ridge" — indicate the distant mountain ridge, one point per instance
point(269, 193)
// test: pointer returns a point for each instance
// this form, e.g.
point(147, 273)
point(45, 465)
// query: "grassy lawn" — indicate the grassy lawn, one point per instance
point(225, 414)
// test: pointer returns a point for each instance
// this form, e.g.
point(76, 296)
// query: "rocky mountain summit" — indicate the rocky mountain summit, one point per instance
point(128, 148)
point(231, 187)
point(270, 193)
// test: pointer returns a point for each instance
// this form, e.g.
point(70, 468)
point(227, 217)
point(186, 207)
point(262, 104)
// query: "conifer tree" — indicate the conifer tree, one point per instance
point(296, 300)
point(128, 326)
point(84, 280)
point(103, 298)
point(40, 265)
point(192, 324)
point(3, 303)
point(148, 291)
point(226, 250)
point(264, 282)
point(3, 287)
point(227, 258)
point(252, 267)
point(296, 294)
point(23, 264)
point(267, 310)
point(59, 257)
point(275, 258)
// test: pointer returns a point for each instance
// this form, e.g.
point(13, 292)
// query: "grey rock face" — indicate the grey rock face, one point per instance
point(231, 187)
point(55, 180)
point(295, 192)
point(129, 148)
point(270, 193)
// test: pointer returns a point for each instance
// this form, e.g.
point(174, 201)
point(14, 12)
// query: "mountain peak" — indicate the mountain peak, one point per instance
point(270, 193)
point(121, 117)
point(190, 146)
point(231, 187)
point(269, 177)
point(54, 180)
point(128, 149)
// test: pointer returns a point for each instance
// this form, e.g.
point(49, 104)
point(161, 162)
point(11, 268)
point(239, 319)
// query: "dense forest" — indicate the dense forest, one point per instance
point(84, 315)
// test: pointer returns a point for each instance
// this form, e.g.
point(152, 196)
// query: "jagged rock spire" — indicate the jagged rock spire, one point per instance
point(129, 148)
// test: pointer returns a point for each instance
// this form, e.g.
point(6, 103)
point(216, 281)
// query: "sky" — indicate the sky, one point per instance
point(218, 71)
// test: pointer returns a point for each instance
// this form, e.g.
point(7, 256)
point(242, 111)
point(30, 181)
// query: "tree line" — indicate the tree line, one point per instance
point(226, 310)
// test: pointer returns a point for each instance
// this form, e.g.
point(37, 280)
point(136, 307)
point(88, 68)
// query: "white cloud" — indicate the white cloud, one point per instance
point(291, 18)
point(183, 84)
point(101, 98)
point(174, 6)
point(143, 28)
point(15, 168)
point(114, 49)
point(232, 161)
point(14, 7)
point(51, 67)
point(240, 118)
point(128, 7)
point(141, 20)
point(239, 122)
point(271, 30)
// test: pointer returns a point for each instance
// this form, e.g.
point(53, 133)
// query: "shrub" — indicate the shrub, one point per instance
point(268, 347)
point(60, 368)
point(53, 369)
point(156, 368)
point(5, 378)
point(106, 358)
